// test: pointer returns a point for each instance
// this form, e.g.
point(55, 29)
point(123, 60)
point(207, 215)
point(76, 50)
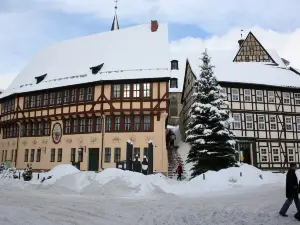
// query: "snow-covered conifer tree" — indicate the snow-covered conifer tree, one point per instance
point(208, 133)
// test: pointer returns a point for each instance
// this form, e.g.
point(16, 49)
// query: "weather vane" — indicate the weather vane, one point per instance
point(242, 34)
point(116, 7)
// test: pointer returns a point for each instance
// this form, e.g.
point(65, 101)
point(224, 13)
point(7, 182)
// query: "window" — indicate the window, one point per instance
point(80, 155)
point(291, 155)
point(52, 156)
point(224, 93)
point(273, 123)
point(22, 130)
point(82, 125)
point(116, 91)
point(81, 94)
point(32, 155)
point(263, 155)
point(173, 83)
point(90, 125)
point(12, 155)
point(28, 129)
point(237, 121)
point(117, 123)
point(127, 123)
point(39, 101)
point(26, 102)
point(136, 152)
point(261, 122)
point(75, 125)
point(174, 65)
point(108, 124)
point(247, 95)
point(33, 133)
point(249, 122)
point(286, 98)
point(146, 90)
point(45, 101)
point(259, 95)
point(297, 98)
point(52, 99)
point(26, 155)
point(126, 93)
point(59, 155)
point(117, 155)
point(147, 123)
point(271, 96)
point(107, 156)
point(275, 155)
point(137, 123)
point(98, 124)
point(146, 152)
point(66, 96)
point(73, 154)
point(5, 156)
point(288, 123)
point(89, 94)
point(38, 155)
point(47, 128)
point(235, 94)
point(59, 98)
point(298, 123)
point(32, 101)
point(136, 90)
point(73, 95)
point(68, 127)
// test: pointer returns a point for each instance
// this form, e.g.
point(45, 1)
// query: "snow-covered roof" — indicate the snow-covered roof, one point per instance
point(247, 72)
point(130, 53)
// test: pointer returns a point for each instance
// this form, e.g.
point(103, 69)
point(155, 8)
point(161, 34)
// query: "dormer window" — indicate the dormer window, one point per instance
point(39, 79)
point(174, 65)
point(174, 83)
point(96, 69)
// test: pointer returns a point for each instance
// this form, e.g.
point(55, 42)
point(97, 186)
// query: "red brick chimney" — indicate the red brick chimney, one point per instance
point(154, 25)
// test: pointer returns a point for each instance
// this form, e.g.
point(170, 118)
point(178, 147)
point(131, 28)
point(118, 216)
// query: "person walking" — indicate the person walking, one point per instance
point(291, 191)
point(179, 171)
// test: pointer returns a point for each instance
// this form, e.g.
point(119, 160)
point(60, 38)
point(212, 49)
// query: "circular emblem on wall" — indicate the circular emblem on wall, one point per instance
point(56, 133)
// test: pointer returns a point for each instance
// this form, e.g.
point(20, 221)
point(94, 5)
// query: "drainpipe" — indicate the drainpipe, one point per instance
point(102, 147)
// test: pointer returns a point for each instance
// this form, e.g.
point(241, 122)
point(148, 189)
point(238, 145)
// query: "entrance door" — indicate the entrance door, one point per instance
point(245, 147)
point(93, 159)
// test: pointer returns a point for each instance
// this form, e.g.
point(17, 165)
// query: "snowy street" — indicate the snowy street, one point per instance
point(255, 205)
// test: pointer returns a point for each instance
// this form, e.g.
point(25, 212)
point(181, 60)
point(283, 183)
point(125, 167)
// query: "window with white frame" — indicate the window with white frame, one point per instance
point(271, 96)
point(286, 98)
point(297, 98)
point(288, 123)
point(275, 154)
point(273, 123)
point(291, 155)
point(247, 95)
point(235, 94)
point(259, 95)
point(224, 93)
point(249, 122)
point(298, 123)
point(261, 122)
point(237, 121)
point(263, 155)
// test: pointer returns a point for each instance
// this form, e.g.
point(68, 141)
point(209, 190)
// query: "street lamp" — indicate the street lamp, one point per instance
point(80, 153)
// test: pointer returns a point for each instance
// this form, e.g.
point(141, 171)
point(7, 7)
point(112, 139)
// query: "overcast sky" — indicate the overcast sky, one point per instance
point(28, 25)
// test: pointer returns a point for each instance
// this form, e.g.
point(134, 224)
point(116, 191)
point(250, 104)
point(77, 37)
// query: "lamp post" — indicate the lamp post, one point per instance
point(80, 153)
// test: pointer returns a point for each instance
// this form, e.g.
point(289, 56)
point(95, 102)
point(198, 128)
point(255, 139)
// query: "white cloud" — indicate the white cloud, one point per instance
point(286, 44)
point(216, 16)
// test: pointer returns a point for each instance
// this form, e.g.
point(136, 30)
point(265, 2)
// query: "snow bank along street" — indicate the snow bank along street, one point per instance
point(122, 197)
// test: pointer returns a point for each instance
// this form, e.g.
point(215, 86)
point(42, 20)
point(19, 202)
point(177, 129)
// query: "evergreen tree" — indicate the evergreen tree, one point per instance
point(208, 133)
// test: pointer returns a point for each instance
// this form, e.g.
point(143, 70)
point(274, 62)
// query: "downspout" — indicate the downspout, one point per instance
point(102, 143)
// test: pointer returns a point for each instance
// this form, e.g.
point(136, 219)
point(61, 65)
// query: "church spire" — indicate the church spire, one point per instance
point(115, 24)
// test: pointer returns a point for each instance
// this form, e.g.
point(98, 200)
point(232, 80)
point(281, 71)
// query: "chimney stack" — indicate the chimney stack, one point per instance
point(154, 25)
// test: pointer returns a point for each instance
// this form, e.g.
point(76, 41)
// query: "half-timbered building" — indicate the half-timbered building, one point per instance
point(84, 100)
point(263, 92)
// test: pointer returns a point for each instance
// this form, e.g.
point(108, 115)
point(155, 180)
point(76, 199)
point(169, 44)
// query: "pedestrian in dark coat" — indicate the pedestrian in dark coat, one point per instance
point(179, 171)
point(145, 166)
point(291, 190)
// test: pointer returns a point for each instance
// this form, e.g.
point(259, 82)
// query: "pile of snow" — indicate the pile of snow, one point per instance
point(183, 151)
point(116, 182)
